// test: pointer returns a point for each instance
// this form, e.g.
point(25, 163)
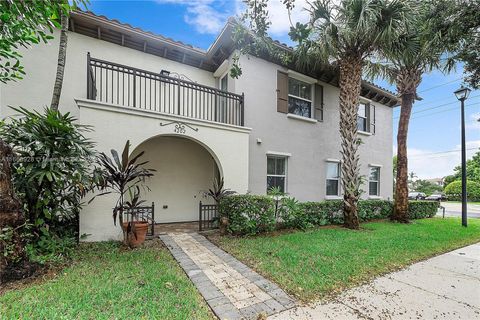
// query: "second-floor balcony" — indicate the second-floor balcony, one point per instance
point(122, 85)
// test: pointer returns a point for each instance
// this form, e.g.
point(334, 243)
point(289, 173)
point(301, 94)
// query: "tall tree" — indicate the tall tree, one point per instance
point(61, 61)
point(345, 33)
point(420, 49)
point(460, 21)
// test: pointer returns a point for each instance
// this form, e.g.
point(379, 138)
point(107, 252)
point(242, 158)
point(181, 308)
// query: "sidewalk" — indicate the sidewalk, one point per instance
point(444, 287)
point(232, 290)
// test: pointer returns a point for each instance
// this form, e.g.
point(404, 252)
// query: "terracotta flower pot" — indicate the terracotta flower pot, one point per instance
point(137, 236)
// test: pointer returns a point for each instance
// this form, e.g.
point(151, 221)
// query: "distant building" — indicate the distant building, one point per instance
point(438, 181)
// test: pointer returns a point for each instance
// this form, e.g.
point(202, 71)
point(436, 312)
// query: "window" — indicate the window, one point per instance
point(374, 181)
point(363, 117)
point(277, 173)
point(299, 98)
point(333, 179)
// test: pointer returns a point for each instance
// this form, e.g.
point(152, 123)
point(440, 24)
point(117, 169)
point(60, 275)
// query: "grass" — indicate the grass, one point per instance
point(107, 282)
point(320, 262)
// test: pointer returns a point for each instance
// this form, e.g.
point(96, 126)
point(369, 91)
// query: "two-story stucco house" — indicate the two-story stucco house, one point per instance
point(273, 126)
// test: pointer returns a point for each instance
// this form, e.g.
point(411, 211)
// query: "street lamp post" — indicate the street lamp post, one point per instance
point(462, 95)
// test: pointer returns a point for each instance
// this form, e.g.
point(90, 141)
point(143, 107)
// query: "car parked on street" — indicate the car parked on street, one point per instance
point(436, 197)
point(416, 195)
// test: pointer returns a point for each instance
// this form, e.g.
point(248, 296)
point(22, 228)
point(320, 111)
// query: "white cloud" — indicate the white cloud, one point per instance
point(473, 123)
point(432, 164)
point(207, 16)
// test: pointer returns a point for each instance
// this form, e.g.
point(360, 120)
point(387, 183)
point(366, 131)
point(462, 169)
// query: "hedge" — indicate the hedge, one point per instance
point(422, 209)
point(248, 214)
point(252, 214)
point(454, 191)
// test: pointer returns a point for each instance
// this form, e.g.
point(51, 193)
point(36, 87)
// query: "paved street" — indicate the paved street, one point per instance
point(444, 287)
point(454, 209)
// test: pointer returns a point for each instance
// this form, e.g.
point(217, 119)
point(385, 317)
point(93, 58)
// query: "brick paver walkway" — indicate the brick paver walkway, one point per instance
point(232, 289)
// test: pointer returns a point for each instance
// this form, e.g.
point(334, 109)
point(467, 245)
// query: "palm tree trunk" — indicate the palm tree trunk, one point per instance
point(407, 83)
point(350, 84)
point(62, 59)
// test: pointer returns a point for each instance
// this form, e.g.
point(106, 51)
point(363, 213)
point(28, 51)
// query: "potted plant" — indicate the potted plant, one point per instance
point(121, 176)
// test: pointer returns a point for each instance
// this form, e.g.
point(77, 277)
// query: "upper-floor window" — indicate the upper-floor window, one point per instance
point(277, 173)
point(374, 181)
point(299, 98)
point(363, 117)
point(366, 117)
point(333, 178)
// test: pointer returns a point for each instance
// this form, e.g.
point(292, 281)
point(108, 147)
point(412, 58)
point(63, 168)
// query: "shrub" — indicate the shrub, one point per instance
point(421, 209)
point(323, 212)
point(248, 214)
point(51, 172)
point(292, 215)
point(374, 209)
point(454, 190)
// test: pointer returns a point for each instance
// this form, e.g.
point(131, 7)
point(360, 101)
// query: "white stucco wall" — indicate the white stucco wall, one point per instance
point(309, 144)
point(228, 145)
point(184, 172)
point(40, 61)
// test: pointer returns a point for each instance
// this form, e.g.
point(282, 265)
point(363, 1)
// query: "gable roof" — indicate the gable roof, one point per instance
point(124, 34)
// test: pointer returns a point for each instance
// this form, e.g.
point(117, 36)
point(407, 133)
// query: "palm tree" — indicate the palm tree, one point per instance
point(417, 51)
point(349, 33)
point(344, 33)
point(62, 59)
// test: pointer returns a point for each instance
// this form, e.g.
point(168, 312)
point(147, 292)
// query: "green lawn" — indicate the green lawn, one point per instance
point(324, 261)
point(106, 282)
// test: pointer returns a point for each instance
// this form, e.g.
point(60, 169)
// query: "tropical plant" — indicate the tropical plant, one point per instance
point(120, 176)
point(277, 194)
point(24, 23)
point(418, 50)
point(348, 32)
point(52, 170)
point(61, 61)
point(460, 21)
point(473, 169)
point(218, 192)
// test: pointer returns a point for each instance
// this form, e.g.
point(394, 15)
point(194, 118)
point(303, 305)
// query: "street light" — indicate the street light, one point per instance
point(462, 95)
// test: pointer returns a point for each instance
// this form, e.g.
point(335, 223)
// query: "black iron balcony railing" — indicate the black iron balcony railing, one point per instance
point(126, 86)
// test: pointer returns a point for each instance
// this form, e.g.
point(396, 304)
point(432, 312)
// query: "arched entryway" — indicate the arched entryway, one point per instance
point(185, 170)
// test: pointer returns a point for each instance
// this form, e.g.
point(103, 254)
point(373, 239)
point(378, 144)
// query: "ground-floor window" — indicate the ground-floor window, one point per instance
point(333, 179)
point(374, 181)
point(277, 173)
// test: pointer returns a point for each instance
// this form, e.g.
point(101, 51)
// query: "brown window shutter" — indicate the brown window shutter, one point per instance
point(318, 112)
point(282, 92)
point(373, 121)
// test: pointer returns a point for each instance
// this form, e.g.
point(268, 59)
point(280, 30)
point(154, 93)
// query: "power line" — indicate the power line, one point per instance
point(433, 113)
point(436, 107)
point(440, 85)
point(442, 152)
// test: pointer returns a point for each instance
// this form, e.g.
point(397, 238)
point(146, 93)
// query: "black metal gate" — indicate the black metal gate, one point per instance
point(207, 216)
point(146, 214)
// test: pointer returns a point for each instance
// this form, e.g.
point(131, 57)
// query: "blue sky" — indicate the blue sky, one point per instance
point(435, 124)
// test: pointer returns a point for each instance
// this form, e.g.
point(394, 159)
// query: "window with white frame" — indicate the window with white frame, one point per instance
point(299, 98)
point(374, 181)
point(363, 117)
point(277, 173)
point(333, 178)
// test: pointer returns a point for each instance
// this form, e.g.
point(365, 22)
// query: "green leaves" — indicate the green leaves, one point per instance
point(24, 23)
point(52, 164)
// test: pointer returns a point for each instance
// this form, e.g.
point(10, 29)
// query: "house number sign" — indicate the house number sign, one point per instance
point(179, 127)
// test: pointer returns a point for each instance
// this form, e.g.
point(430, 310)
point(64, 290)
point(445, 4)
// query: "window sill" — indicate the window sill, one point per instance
point(294, 116)
point(364, 133)
point(375, 197)
point(333, 198)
